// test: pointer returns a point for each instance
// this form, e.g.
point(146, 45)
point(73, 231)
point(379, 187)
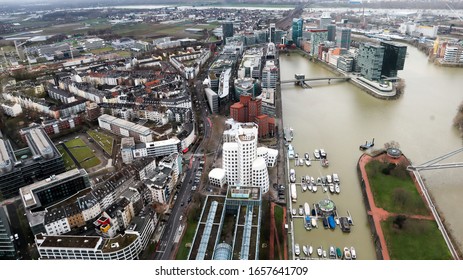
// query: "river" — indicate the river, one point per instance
point(339, 117)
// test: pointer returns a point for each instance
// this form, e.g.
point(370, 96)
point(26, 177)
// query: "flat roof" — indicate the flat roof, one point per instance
point(4, 155)
point(125, 124)
point(119, 242)
point(27, 192)
point(66, 241)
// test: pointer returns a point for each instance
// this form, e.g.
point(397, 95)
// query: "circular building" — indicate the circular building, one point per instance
point(260, 174)
point(327, 207)
point(394, 153)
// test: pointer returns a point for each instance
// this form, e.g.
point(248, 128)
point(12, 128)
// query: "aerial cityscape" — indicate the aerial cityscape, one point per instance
point(231, 130)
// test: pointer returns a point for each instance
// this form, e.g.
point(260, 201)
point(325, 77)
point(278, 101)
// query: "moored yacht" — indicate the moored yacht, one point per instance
point(297, 249)
point(316, 154)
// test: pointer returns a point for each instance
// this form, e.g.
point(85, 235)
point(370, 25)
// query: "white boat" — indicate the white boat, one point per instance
point(314, 222)
point(305, 250)
point(314, 188)
point(337, 188)
point(331, 188)
point(290, 151)
point(307, 178)
point(301, 210)
point(353, 253)
point(307, 162)
point(316, 154)
point(301, 162)
point(294, 212)
point(347, 255)
point(292, 176)
point(297, 250)
point(312, 180)
point(335, 178)
point(329, 179)
point(319, 181)
point(322, 153)
point(307, 156)
point(293, 192)
point(307, 209)
point(310, 250)
point(332, 252)
point(304, 187)
point(296, 156)
point(325, 189)
point(319, 251)
point(310, 187)
point(324, 254)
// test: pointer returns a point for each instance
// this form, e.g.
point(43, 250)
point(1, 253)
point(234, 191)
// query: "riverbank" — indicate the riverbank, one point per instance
point(355, 80)
point(403, 242)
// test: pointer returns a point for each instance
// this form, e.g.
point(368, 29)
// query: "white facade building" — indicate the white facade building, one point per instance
point(242, 160)
point(260, 175)
point(217, 177)
point(12, 110)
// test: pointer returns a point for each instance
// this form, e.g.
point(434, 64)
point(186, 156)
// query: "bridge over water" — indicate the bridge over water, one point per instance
point(315, 79)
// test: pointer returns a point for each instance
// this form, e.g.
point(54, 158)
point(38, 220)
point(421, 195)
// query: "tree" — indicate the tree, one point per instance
point(399, 221)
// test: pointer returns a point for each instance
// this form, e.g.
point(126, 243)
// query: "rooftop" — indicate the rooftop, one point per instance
point(28, 192)
point(119, 242)
point(65, 241)
point(125, 124)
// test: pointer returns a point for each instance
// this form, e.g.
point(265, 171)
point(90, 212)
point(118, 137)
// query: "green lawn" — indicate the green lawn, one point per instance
point(278, 223)
point(105, 141)
point(183, 251)
point(94, 161)
point(396, 192)
point(82, 153)
point(68, 162)
point(102, 50)
point(417, 240)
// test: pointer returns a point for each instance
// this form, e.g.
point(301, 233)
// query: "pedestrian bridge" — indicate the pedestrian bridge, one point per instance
point(315, 79)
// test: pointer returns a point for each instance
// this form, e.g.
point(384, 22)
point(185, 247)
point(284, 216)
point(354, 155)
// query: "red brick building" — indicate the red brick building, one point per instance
point(249, 109)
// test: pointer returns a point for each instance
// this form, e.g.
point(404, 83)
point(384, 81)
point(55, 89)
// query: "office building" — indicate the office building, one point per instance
point(269, 74)
point(7, 246)
point(331, 32)
point(271, 33)
point(344, 38)
point(325, 20)
point(38, 161)
point(127, 246)
point(227, 30)
point(212, 100)
point(370, 61)
point(297, 28)
point(453, 54)
point(241, 202)
point(217, 177)
point(394, 58)
point(125, 128)
point(54, 189)
point(317, 37)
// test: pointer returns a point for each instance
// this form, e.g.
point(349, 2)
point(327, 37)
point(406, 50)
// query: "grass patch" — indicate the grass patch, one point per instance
point(417, 240)
point(124, 53)
point(68, 162)
point(82, 153)
point(105, 141)
point(102, 50)
point(94, 161)
point(393, 189)
point(278, 211)
point(183, 251)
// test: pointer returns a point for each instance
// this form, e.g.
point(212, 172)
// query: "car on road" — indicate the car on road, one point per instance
point(183, 203)
point(193, 188)
point(181, 218)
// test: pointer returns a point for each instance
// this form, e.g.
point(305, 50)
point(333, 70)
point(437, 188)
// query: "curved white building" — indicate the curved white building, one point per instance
point(217, 177)
point(230, 161)
point(247, 152)
point(260, 175)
